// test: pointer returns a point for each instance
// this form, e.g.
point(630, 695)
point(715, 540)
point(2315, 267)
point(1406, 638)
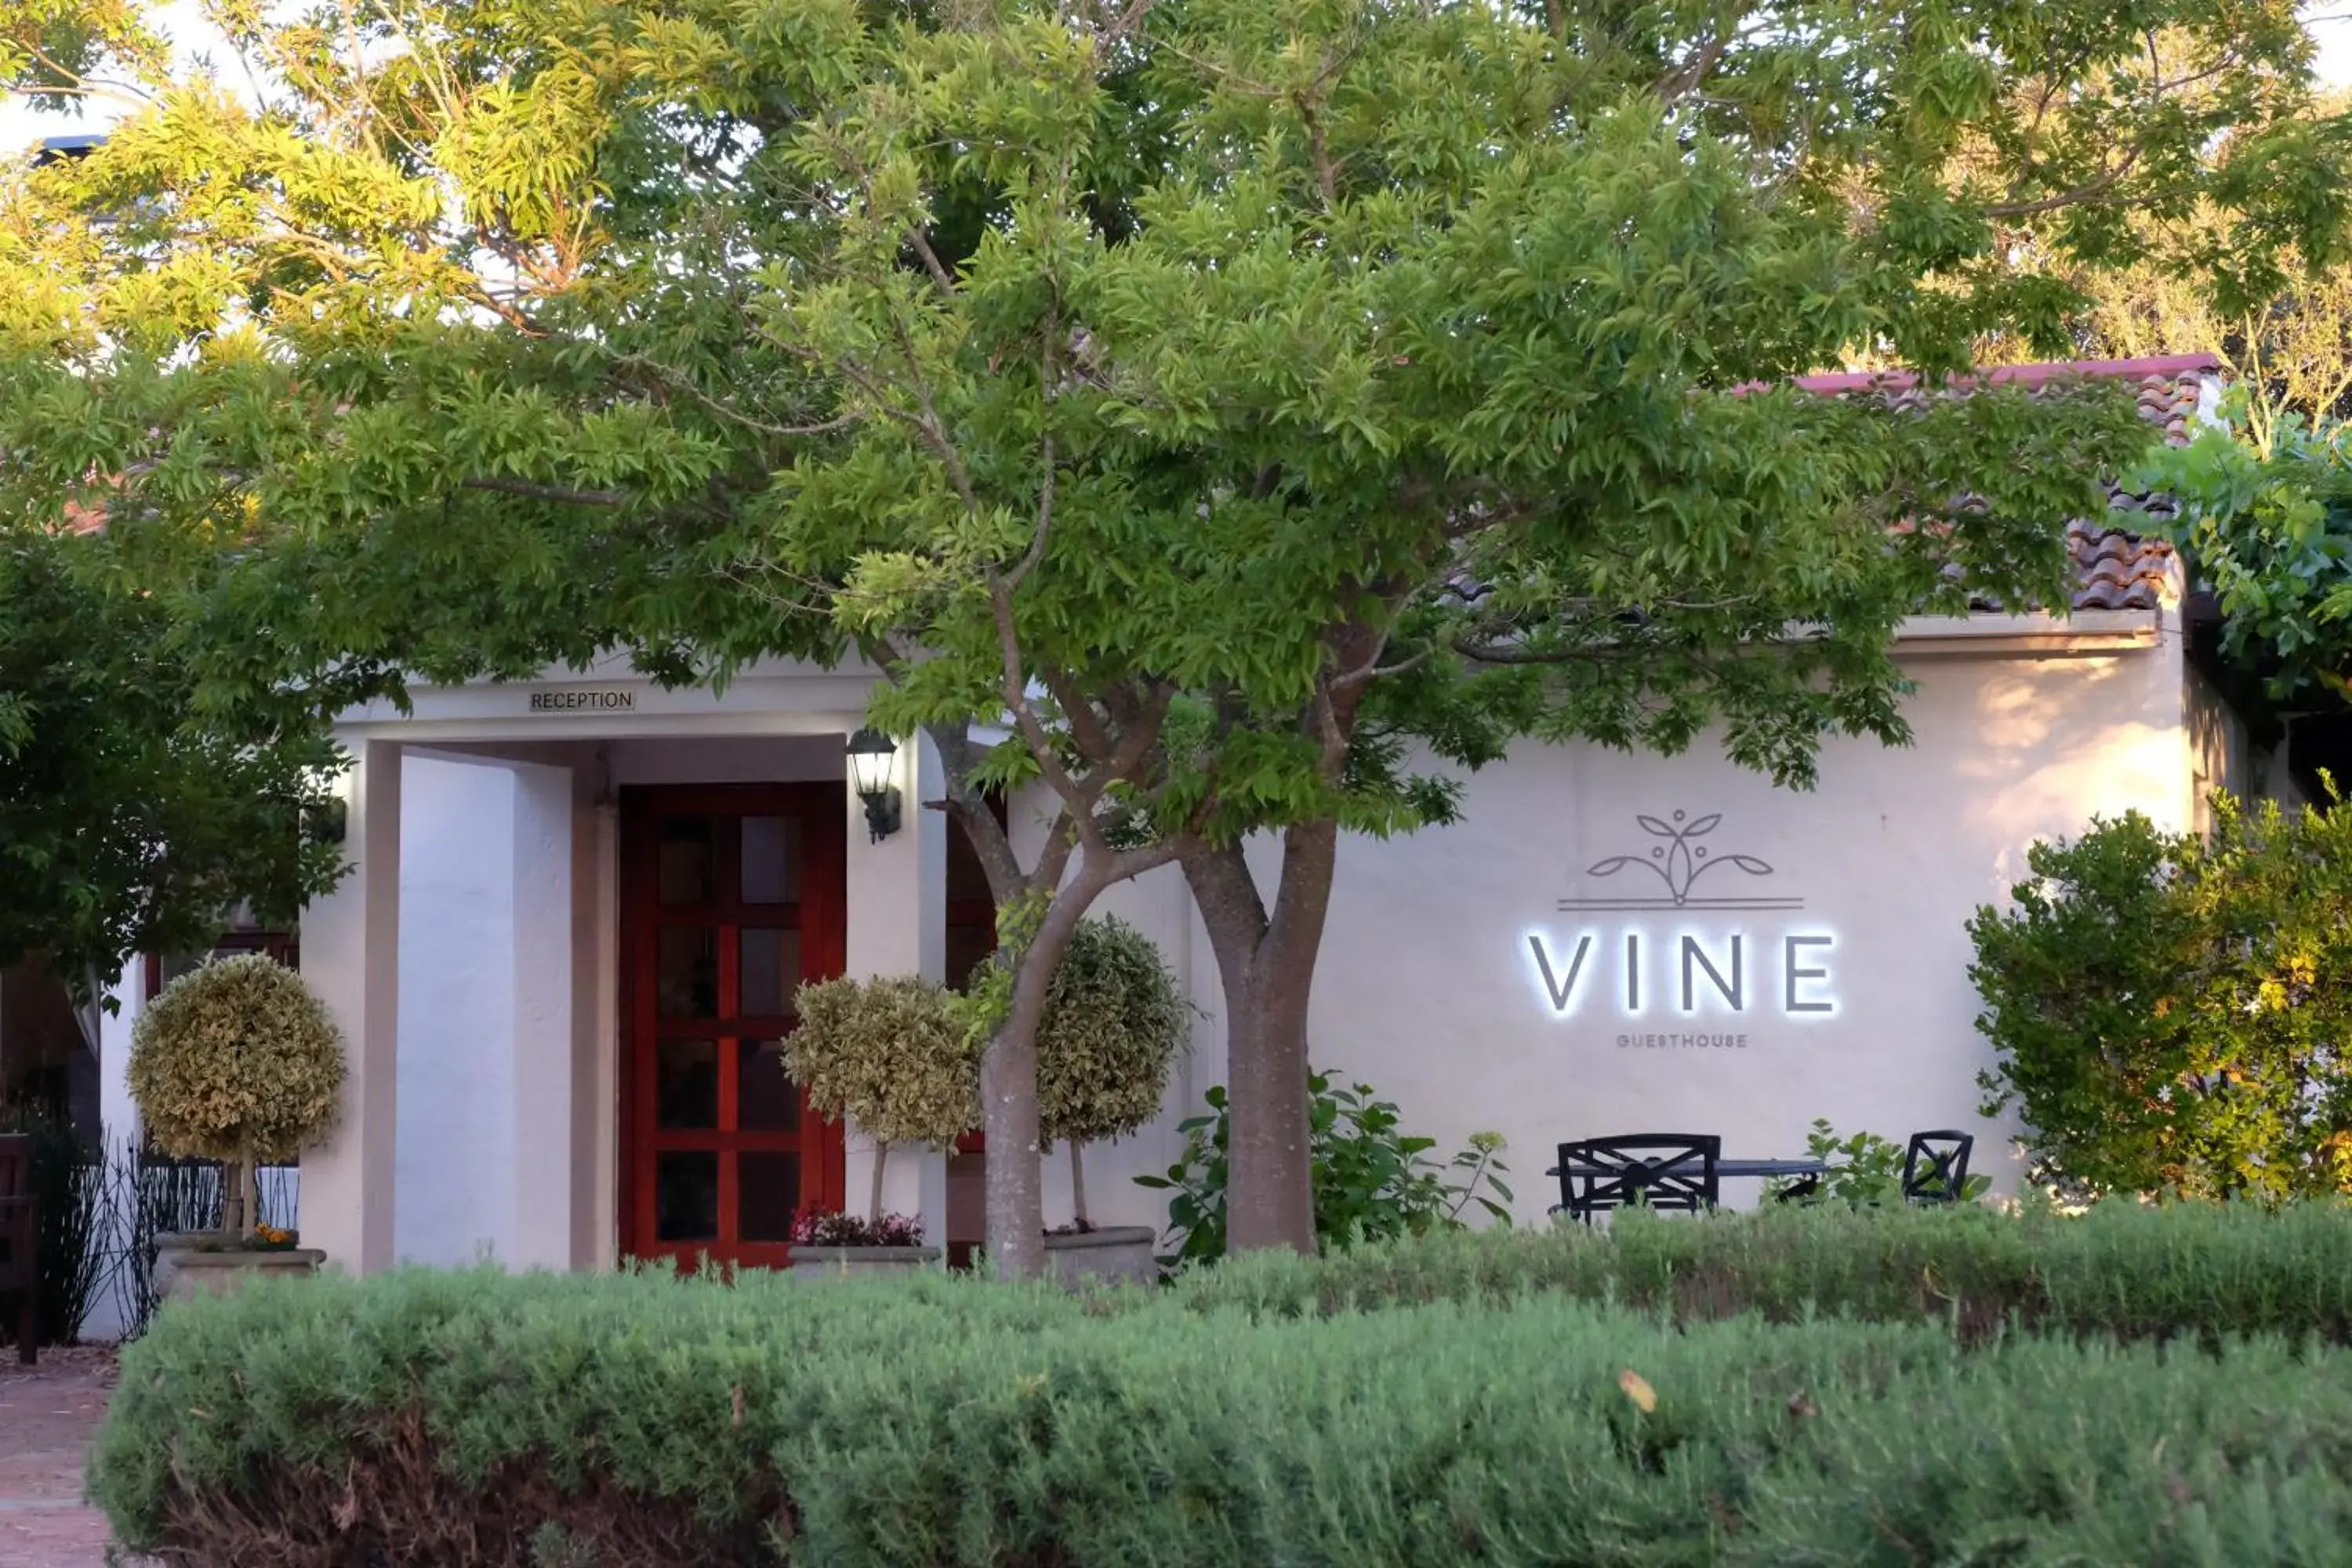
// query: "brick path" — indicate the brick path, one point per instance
point(46, 1415)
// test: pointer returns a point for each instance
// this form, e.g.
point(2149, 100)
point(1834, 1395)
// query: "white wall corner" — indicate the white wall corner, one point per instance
point(351, 954)
point(545, 1173)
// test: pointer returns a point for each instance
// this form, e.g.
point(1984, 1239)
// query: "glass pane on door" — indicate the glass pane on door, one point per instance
point(685, 1084)
point(686, 980)
point(686, 1195)
point(771, 860)
point(688, 857)
point(771, 972)
point(765, 1099)
point(768, 1194)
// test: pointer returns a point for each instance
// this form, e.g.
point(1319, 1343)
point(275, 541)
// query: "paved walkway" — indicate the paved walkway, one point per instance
point(46, 1415)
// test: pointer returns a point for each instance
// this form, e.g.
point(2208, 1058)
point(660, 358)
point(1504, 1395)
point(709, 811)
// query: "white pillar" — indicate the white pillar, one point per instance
point(118, 1113)
point(118, 1117)
point(546, 1169)
point(351, 952)
point(898, 925)
point(599, 1013)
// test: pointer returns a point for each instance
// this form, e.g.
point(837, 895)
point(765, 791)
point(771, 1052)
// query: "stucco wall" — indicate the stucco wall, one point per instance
point(1431, 991)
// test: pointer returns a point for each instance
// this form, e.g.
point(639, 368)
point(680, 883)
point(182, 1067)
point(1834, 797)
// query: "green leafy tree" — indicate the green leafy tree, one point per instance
point(2169, 1011)
point(2266, 524)
point(130, 821)
point(1245, 402)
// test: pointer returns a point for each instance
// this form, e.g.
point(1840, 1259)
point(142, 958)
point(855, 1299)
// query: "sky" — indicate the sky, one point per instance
point(2330, 21)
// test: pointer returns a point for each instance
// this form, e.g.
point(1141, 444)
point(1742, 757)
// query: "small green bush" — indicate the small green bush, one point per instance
point(1373, 1181)
point(1861, 1169)
point(478, 1419)
point(2169, 1011)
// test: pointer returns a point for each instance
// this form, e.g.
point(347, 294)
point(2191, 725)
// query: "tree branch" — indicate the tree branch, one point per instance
point(2089, 191)
point(548, 492)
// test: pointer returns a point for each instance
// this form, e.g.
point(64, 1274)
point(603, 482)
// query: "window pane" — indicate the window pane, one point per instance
point(685, 1196)
point(768, 1188)
point(765, 1099)
point(771, 860)
point(770, 973)
point(686, 1083)
point(686, 984)
point(687, 859)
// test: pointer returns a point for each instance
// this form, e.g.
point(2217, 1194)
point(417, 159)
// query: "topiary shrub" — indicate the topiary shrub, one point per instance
point(890, 1055)
point(237, 1061)
point(1113, 1023)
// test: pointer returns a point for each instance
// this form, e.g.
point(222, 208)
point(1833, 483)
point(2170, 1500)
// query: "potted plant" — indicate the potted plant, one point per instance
point(1113, 1023)
point(889, 1055)
point(237, 1061)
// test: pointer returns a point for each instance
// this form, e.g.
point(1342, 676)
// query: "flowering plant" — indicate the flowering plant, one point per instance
point(830, 1227)
point(272, 1237)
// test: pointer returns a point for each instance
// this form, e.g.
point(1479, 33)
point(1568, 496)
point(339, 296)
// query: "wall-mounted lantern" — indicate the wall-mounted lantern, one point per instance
point(326, 821)
point(873, 759)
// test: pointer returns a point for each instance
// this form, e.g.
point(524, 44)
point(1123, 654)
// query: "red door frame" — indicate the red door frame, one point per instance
point(821, 918)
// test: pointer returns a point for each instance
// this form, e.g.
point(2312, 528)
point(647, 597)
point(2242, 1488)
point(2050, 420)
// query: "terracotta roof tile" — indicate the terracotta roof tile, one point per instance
point(2117, 567)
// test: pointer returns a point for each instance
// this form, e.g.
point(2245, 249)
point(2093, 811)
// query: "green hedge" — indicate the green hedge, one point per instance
point(2126, 1269)
point(472, 1418)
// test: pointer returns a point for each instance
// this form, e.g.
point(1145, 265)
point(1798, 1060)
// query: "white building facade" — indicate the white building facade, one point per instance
point(577, 911)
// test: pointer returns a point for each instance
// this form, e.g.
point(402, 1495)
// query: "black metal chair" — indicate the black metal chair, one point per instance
point(17, 1272)
point(1798, 1189)
point(1936, 1166)
point(1668, 1171)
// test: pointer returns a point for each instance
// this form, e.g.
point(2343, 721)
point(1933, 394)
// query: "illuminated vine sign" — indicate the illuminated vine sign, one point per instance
point(1677, 955)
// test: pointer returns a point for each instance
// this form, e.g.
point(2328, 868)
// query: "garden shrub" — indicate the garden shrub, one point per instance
point(1372, 1180)
point(476, 1418)
point(1860, 1169)
point(2169, 1011)
point(2123, 1269)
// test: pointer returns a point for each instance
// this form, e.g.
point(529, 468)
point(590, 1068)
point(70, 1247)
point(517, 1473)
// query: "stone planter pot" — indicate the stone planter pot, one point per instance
point(1113, 1254)
point(840, 1262)
point(192, 1264)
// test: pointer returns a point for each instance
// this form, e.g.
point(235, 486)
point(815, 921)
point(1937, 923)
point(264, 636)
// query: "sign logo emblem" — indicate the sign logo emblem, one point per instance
point(1680, 862)
point(1686, 964)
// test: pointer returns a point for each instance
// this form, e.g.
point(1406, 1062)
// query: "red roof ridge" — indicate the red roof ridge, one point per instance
point(2034, 374)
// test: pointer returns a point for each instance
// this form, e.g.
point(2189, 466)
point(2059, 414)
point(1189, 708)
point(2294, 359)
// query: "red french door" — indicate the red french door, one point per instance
point(732, 895)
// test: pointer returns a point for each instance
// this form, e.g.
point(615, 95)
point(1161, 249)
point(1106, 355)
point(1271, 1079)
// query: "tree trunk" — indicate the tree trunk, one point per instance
point(1077, 1185)
point(237, 1192)
point(1008, 1119)
point(1265, 964)
point(874, 1202)
point(1008, 1095)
